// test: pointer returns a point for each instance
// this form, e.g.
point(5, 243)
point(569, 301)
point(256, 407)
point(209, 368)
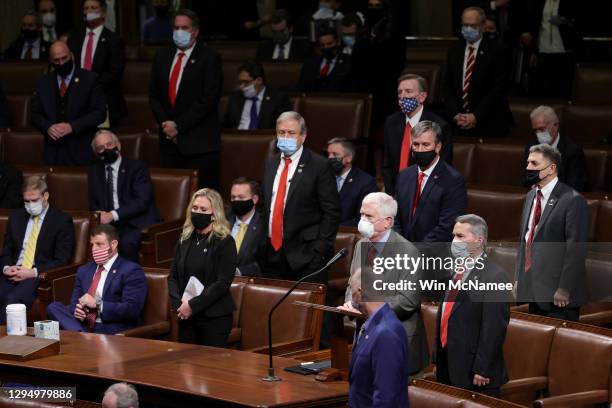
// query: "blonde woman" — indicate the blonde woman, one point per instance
point(206, 251)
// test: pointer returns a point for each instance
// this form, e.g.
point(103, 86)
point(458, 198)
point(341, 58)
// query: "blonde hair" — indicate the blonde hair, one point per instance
point(221, 227)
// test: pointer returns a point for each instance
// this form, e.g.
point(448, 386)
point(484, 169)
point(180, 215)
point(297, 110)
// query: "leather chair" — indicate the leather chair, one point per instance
point(424, 393)
point(234, 50)
point(429, 313)
point(463, 159)
point(136, 78)
point(150, 149)
point(587, 123)
point(23, 148)
point(147, 52)
point(237, 291)
point(131, 53)
point(603, 230)
point(521, 109)
point(283, 75)
point(230, 75)
point(501, 210)
point(599, 311)
point(19, 109)
point(21, 77)
point(433, 74)
point(501, 164)
point(130, 145)
point(505, 255)
point(592, 83)
point(68, 188)
point(140, 116)
point(222, 107)
point(340, 272)
point(596, 162)
point(432, 53)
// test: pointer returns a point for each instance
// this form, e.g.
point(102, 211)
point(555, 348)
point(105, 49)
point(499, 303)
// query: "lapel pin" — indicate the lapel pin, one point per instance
point(114, 271)
point(103, 39)
point(254, 227)
point(267, 98)
point(350, 180)
point(76, 80)
point(205, 250)
point(436, 177)
point(481, 52)
point(193, 61)
point(367, 336)
point(299, 170)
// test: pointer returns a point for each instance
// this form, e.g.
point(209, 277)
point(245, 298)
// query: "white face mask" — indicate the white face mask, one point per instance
point(34, 208)
point(92, 16)
point(366, 228)
point(48, 19)
point(544, 137)
point(459, 249)
point(249, 91)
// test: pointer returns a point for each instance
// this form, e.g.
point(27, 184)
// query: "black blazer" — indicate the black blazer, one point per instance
point(338, 80)
point(395, 125)
point(312, 209)
point(14, 50)
point(254, 237)
point(55, 244)
point(11, 183)
point(215, 300)
point(273, 104)
point(488, 94)
point(134, 189)
point(109, 63)
point(476, 332)
point(196, 107)
point(356, 186)
point(573, 163)
point(86, 109)
point(299, 50)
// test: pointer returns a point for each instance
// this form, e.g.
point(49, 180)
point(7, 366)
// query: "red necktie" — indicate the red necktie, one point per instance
point(469, 68)
point(417, 193)
point(174, 76)
point(405, 152)
point(279, 206)
point(448, 308)
point(325, 70)
point(63, 88)
point(371, 255)
point(28, 53)
point(90, 317)
point(88, 60)
point(537, 213)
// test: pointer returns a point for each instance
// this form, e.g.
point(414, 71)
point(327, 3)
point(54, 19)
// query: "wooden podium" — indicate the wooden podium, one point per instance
point(23, 348)
point(338, 343)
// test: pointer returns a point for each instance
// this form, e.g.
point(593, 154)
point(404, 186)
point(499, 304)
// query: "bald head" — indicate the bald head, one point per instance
point(59, 53)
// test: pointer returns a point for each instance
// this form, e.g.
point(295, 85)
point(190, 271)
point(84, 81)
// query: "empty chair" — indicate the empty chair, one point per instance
point(136, 78)
point(19, 109)
point(463, 160)
point(23, 148)
point(140, 116)
point(588, 123)
point(502, 164)
point(592, 83)
point(502, 210)
point(20, 77)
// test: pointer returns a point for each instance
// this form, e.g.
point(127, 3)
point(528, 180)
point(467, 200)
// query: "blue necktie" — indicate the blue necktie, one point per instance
point(339, 182)
point(253, 124)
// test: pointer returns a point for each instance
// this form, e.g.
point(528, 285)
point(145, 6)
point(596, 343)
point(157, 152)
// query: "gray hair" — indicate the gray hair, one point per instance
point(387, 206)
point(101, 132)
point(36, 182)
point(481, 13)
point(550, 153)
point(426, 126)
point(126, 395)
point(347, 145)
point(292, 115)
point(478, 225)
point(549, 114)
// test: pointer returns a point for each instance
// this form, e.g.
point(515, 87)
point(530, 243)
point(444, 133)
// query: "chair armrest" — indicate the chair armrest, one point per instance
point(285, 348)
point(598, 318)
point(148, 331)
point(158, 242)
point(149, 232)
point(60, 272)
point(521, 308)
point(577, 399)
point(523, 385)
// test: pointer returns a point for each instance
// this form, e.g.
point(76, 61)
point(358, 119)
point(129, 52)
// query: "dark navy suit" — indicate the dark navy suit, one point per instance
point(123, 298)
point(357, 184)
point(379, 363)
point(443, 199)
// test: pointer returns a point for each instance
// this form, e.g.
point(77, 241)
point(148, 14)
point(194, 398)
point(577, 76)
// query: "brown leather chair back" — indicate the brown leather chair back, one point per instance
point(234, 50)
point(603, 230)
point(587, 123)
point(230, 75)
point(140, 116)
point(592, 83)
point(155, 309)
point(23, 148)
point(502, 164)
point(68, 188)
point(173, 189)
point(83, 223)
point(130, 145)
point(283, 75)
point(430, 53)
point(593, 214)
point(596, 162)
point(222, 107)
point(19, 109)
point(149, 145)
point(598, 279)
point(136, 78)
point(4, 216)
point(429, 312)
point(20, 77)
point(345, 238)
point(609, 173)
point(505, 256)
point(532, 361)
point(502, 210)
point(237, 290)
point(422, 397)
point(463, 159)
point(521, 109)
point(424, 393)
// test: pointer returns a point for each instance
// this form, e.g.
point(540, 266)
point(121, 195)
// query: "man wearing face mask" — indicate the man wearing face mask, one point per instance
point(328, 72)
point(184, 92)
point(98, 49)
point(254, 105)
point(351, 31)
point(476, 94)
point(121, 192)
point(430, 193)
point(301, 206)
point(247, 226)
point(24, 255)
point(327, 16)
point(30, 44)
point(572, 171)
point(67, 108)
point(550, 269)
point(378, 212)
point(54, 27)
point(158, 28)
point(353, 183)
point(412, 91)
point(109, 292)
point(283, 46)
point(471, 325)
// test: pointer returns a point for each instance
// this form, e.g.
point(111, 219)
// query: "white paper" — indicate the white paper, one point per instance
point(194, 288)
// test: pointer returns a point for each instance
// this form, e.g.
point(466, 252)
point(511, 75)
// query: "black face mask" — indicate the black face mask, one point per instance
point(329, 53)
point(532, 177)
point(109, 156)
point(29, 35)
point(424, 159)
point(241, 207)
point(336, 164)
point(374, 15)
point(65, 69)
point(200, 220)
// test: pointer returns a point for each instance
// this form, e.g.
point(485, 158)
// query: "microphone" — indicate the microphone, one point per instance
point(271, 375)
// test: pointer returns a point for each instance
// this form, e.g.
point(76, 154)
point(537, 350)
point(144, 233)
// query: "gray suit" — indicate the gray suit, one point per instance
point(565, 224)
point(405, 304)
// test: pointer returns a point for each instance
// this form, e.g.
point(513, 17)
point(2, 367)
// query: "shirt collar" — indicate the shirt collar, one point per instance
point(547, 190)
point(295, 157)
point(109, 264)
point(556, 142)
point(260, 94)
point(97, 31)
point(416, 118)
point(345, 173)
point(476, 45)
point(187, 51)
point(117, 164)
point(431, 168)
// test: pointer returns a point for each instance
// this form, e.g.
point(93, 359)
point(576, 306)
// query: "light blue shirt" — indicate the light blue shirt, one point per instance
point(245, 118)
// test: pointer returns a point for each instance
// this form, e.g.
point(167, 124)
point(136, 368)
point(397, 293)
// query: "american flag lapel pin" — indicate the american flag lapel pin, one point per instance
point(114, 271)
point(76, 80)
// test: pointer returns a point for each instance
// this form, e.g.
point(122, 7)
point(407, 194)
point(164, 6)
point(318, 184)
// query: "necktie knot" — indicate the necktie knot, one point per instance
point(539, 194)
point(287, 161)
point(421, 175)
point(90, 34)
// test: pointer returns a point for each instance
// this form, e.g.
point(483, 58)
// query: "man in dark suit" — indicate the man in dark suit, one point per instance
point(550, 270)
point(248, 229)
point(38, 238)
point(476, 81)
point(353, 184)
point(109, 292)
point(431, 194)
point(11, 183)
point(120, 190)
point(254, 105)
point(572, 171)
point(301, 208)
point(30, 44)
point(283, 46)
point(102, 51)
point(412, 91)
point(184, 94)
point(67, 108)
point(328, 72)
point(55, 25)
point(471, 325)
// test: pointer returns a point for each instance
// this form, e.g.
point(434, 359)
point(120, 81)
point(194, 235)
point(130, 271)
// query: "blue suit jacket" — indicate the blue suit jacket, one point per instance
point(356, 186)
point(443, 199)
point(379, 363)
point(123, 297)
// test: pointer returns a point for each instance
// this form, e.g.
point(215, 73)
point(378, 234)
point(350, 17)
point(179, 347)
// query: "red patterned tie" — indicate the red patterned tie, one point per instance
point(325, 70)
point(448, 308)
point(174, 76)
point(88, 60)
point(405, 152)
point(469, 68)
point(63, 88)
point(537, 213)
point(417, 193)
point(279, 207)
point(91, 316)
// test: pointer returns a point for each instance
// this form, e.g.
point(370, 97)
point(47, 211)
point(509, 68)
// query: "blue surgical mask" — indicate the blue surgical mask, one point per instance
point(181, 38)
point(349, 41)
point(286, 145)
point(470, 34)
point(324, 6)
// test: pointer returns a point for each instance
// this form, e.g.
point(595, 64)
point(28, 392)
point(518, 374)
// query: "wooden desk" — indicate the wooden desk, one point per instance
point(171, 374)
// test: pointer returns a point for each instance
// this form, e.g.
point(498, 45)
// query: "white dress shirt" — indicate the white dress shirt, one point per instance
point(428, 172)
point(100, 288)
point(97, 33)
point(186, 57)
point(245, 118)
point(295, 159)
point(546, 192)
point(286, 48)
point(550, 41)
point(238, 223)
point(415, 119)
point(332, 65)
point(49, 34)
point(35, 48)
point(476, 45)
point(115, 166)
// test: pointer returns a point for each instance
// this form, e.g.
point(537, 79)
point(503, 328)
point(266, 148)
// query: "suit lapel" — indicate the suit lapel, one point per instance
point(249, 236)
point(410, 190)
point(188, 70)
point(110, 276)
point(23, 226)
point(348, 183)
point(430, 183)
point(298, 175)
point(99, 54)
point(265, 108)
point(121, 178)
point(550, 205)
